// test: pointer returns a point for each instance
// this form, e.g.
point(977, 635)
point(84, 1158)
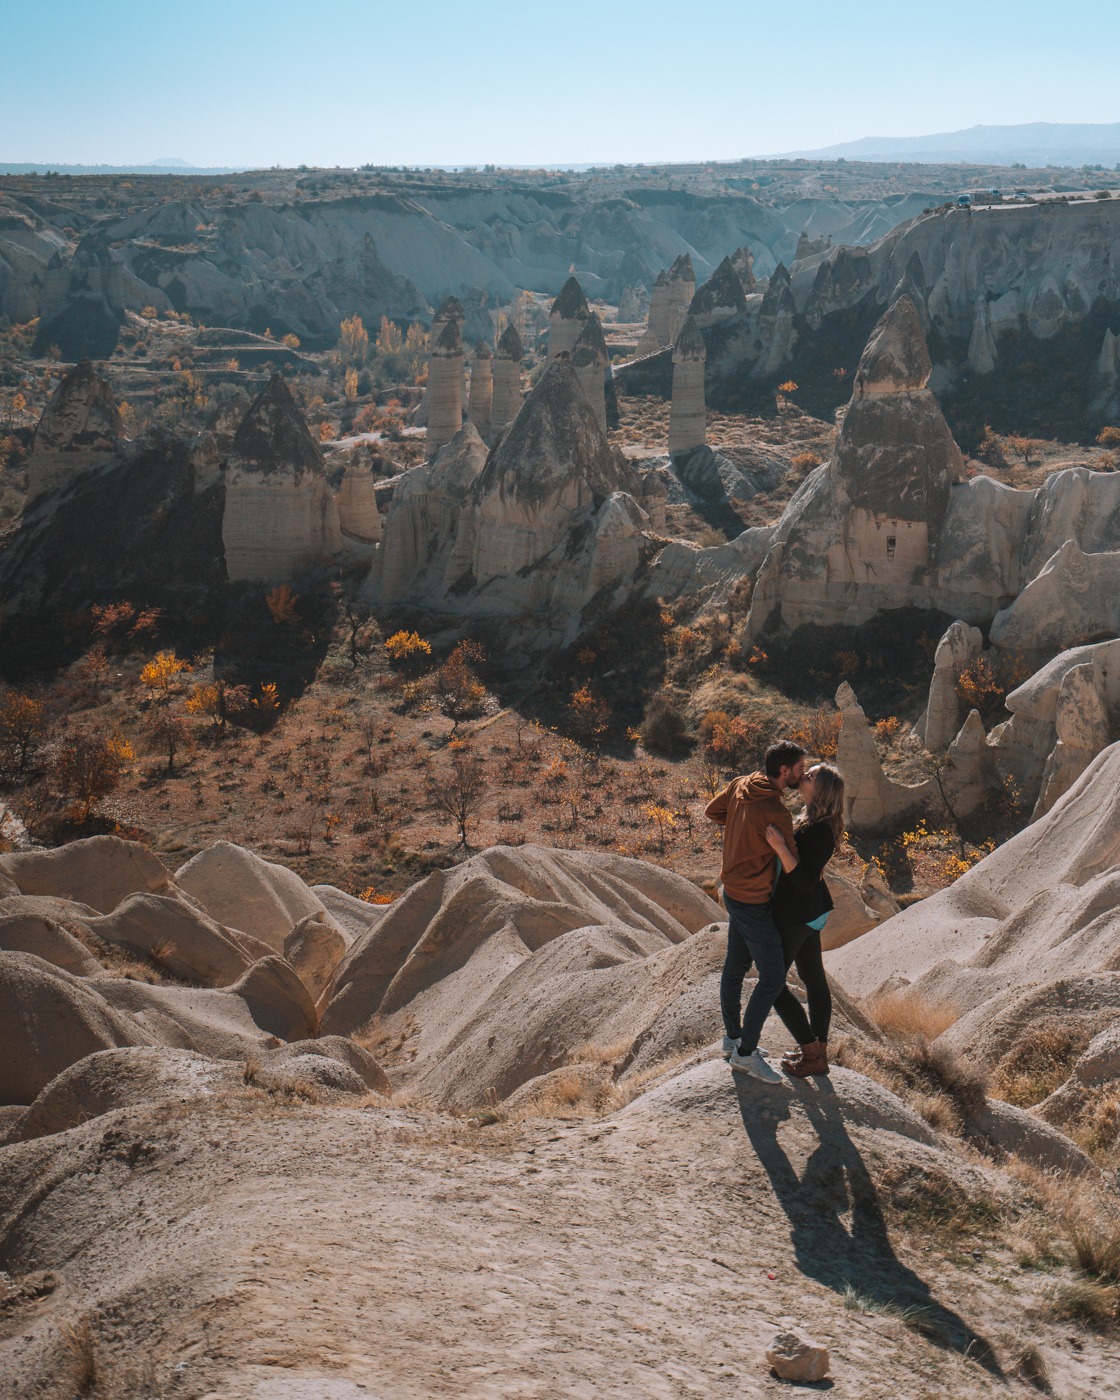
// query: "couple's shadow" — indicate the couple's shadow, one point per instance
point(854, 1259)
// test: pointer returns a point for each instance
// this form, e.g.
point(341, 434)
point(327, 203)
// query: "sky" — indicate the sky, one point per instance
point(245, 83)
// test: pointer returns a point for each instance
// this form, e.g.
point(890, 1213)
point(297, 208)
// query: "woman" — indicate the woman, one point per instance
point(800, 907)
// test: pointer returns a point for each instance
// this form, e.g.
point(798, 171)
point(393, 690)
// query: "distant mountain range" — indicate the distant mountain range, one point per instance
point(1034, 144)
point(167, 165)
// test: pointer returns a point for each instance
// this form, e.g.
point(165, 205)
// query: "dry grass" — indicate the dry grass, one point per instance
point(1030, 1366)
point(926, 1199)
point(592, 1054)
point(1087, 1302)
point(903, 1015)
point(90, 1375)
point(389, 1045)
point(1036, 1065)
point(946, 1092)
point(1097, 1127)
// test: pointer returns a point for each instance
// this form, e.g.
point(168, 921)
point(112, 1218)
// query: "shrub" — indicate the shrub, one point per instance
point(89, 767)
point(589, 716)
point(731, 741)
point(22, 725)
point(1109, 437)
point(819, 733)
point(664, 729)
point(162, 670)
point(407, 648)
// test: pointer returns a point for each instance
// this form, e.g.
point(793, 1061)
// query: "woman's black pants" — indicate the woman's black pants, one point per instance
point(801, 946)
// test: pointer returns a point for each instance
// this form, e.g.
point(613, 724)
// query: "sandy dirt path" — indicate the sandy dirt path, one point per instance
point(246, 1250)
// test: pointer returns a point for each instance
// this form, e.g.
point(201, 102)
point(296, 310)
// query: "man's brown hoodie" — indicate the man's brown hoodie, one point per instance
point(744, 809)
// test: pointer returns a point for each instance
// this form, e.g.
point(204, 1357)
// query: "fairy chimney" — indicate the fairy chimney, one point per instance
point(591, 361)
point(356, 502)
point(720, 297)
point(80, 427)
point(482, 389)
point(657, 327)
point(687, 423)
point(682, 288)
point(567, 317)
point(445, 387)
point(279, 515)
point(506, 400)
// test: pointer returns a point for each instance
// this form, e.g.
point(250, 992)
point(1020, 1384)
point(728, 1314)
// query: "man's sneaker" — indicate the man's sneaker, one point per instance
point(730, 1045)
point(756, 1066)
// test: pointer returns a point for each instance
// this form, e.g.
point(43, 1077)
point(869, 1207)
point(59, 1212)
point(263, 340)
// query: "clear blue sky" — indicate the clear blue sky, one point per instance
point(245, 82)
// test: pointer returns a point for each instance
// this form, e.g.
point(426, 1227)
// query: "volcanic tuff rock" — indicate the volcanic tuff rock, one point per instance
point(1042, 907)
point(862, 532)
point(280, 516)
point(419, 528)
point(566, 318)
point(720, 296)
point(871, 799)
point(591, 362)
point(538, 533)
point(687, 418)
point(79, 428)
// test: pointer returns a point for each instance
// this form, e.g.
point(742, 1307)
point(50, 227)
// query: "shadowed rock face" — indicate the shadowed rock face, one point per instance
point(896, 357)
point(571, 304)
point(81, 416)
point(721, 295)
point(509, 345)
point(273, 436)
point(280, 516)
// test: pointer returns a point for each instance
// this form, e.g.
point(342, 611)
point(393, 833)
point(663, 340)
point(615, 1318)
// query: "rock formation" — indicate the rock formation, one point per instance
point(1022, 746)
point(1075, 598)
point(862, 533)
point(657, 327)
point(687, 421)
point(445, 387)
point(552, 518)
point(79, 428)
point(82, 304)
point(1081, 723)
point(450, 309)
point(742, 260)
point(682, 288)
point(506, 403)
point(419, 529)
point(871, 799)
point(775, 335)
point(720, 297)
point(356, 502)
point(956, 651)
point(591, 362)
point(280, 516)
point(566, 319)
point(482, 390)
point(968, 775)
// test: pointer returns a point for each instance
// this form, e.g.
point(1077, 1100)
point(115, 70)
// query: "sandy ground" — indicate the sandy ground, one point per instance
point(242, 1248)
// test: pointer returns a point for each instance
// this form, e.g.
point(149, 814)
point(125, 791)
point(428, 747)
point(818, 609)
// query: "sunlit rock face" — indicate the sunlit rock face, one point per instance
point(482, 389)
point(419, 528)
point(687, 419)
point(280, 516)
point(551, 520)
point(566, 319)
point(506, 401)
point(590, 360)
point(445, 387)
point(80, 427)
point(861, 534)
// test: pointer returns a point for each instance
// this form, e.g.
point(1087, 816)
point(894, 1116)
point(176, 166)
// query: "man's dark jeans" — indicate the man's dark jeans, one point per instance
point(752, 936)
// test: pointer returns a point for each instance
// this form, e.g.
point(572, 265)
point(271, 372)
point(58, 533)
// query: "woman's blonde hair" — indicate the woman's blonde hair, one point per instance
point(827, 804)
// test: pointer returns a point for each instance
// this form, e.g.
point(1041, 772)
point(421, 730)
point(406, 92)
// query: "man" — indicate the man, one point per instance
point(744, 809)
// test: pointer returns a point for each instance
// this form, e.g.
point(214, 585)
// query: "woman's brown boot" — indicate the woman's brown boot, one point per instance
point(792, 1057)
point(813, 1060)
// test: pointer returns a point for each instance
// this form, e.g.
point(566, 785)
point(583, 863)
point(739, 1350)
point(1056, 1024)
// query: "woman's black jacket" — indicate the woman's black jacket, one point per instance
point(802, 896)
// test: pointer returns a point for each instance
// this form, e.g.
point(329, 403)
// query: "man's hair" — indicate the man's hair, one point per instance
point(783, 755)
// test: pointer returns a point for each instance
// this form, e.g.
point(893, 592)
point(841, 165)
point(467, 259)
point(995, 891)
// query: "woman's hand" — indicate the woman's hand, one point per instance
point(778, 844)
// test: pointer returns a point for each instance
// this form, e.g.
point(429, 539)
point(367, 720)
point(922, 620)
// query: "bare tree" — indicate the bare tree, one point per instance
point(459, 790)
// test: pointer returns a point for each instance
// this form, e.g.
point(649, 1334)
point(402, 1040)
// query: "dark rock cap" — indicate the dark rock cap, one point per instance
point(896, 359)
point(690, 343)
point(571, 304)
point(723, 289)
point(591, 347)
point(554, 437)
point(662, 278)
point(742, 260)
point(449, 340)
point(273, 435)
point(81, 416)
point(681, 270)
point(482, 351)
point(509, 345)
point(451, 310)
